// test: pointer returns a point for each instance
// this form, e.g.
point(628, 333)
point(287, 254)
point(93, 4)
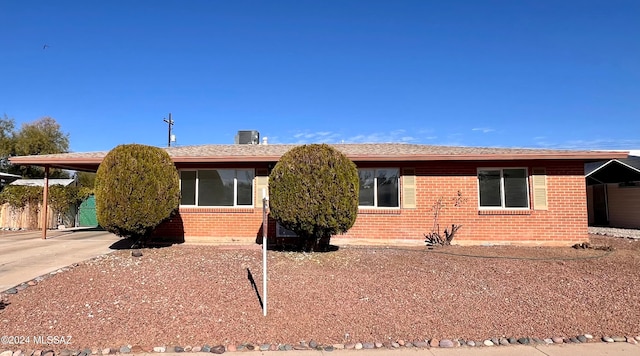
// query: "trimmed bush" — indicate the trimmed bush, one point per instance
point(313, 191)
point(137, 187)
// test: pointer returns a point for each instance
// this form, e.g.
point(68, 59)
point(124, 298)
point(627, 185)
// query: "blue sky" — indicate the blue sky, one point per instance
point(539, 73)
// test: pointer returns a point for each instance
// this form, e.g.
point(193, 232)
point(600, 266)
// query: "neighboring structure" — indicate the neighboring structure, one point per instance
point(31, 216)
point(6, 178)
point(34, 182)
point(505, 196)
point(613, 192)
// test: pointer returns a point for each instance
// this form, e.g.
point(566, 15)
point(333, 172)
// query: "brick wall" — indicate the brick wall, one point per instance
point(563, 223)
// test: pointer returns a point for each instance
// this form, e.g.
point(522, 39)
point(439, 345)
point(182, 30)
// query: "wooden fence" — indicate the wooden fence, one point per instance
point(30, 218)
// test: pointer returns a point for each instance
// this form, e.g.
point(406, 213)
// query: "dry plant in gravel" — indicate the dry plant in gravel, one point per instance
point(196, 295)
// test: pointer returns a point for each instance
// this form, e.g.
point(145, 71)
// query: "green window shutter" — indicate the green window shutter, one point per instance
point(409, 188)
point(539, 182)
point(261, 182)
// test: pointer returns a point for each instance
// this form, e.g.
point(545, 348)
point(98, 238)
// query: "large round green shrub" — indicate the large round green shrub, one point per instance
point(313, 191)
point(137, 187)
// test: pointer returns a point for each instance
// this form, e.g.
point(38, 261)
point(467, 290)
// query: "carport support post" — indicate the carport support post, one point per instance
point(45, 202)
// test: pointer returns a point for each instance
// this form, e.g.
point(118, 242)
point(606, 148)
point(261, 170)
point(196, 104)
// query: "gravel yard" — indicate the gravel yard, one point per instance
point(196, 295)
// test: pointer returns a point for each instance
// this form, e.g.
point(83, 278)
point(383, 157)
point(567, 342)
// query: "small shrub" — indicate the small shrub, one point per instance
point(313, 191)
point(137, 187)
point(434, 237)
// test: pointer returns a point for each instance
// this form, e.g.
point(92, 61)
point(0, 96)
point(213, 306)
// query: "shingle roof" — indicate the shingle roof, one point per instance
point(357, 152)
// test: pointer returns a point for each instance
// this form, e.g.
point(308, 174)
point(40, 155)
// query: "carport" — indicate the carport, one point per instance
point(613, 192)
point(85, 162)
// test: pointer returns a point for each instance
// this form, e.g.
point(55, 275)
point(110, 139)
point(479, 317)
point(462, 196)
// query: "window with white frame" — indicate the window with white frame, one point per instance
point(217, 187)
point(503, 188)
point(379, 187)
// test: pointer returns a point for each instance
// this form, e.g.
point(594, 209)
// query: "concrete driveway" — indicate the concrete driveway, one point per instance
point(25, 255)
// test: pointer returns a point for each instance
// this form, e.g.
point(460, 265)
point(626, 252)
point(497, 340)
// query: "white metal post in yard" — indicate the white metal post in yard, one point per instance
point(265, 225)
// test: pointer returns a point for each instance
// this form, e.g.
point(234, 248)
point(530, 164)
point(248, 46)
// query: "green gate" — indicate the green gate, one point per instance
point(87, 212)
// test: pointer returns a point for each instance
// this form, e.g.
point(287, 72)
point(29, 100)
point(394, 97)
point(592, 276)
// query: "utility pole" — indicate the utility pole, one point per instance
point(170, 122)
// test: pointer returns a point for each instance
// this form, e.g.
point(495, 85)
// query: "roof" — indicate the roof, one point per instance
point(357, 152)
point(40, 182)
point(9, 175)
point(618, 170)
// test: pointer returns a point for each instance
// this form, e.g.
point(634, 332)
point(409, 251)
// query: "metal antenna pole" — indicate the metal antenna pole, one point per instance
point(170, 122)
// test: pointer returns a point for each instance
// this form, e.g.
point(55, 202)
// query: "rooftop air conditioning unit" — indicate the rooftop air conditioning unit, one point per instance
point(251, 137)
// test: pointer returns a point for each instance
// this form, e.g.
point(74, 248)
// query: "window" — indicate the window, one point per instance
point(379, 187)
point(217, 187)
point(503, 188)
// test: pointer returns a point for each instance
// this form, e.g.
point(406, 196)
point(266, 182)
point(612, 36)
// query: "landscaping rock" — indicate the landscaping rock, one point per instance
point(136, 349)
point(495, 340)
point(265, 347)
point(421, 344)
point(218, 349)
point(206, 348)
point(125, 350)
point(523, 341)
point(358, 346)
point(607, 339)
point(574, 340)
point(178, 349)
point(637, 338)
point(328, 348)
point(471, 343)
point(434, 342)
point(446, 343)
point(557, 340)
point(401, 342)
point(619, 339)
point(368, 345)
point(488, 343)
point(104, 351)
point(313, 344)
point(631, 340)
point(588, 336)
point(378, 345)
point(196, 349)
point(350, 346)
point(159, 349)
point(504, 341)
point(548, 341)
point(395, 345)
point(582, 338)
point(6, 353)
point(338, 346)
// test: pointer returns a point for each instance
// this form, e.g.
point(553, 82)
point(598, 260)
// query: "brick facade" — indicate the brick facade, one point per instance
point(563, 223)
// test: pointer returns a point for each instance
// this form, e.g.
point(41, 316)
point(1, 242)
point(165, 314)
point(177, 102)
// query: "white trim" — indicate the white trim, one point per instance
point(502, 190)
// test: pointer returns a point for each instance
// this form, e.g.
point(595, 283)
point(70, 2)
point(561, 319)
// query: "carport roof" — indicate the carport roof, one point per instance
point(389, 152)
point(613, 171)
